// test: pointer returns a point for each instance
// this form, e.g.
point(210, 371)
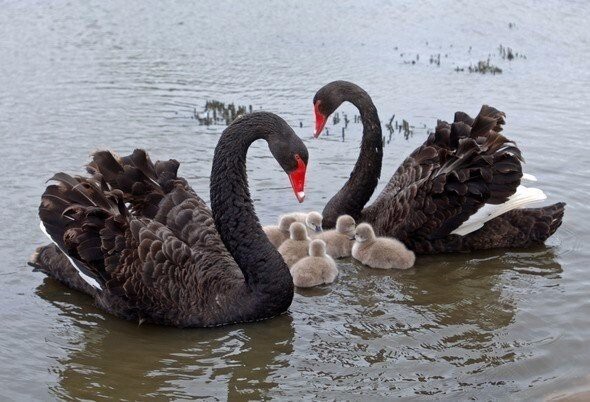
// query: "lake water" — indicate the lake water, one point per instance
point(496, 325)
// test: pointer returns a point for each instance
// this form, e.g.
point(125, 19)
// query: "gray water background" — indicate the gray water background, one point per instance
point(77, 76)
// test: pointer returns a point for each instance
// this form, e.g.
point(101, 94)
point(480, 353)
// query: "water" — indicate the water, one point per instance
point(500, 324)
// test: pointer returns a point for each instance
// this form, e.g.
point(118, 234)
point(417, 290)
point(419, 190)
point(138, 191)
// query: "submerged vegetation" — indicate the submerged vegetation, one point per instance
point(392, 126)
point(217, 112)
point(482, 67)
point(506, 53)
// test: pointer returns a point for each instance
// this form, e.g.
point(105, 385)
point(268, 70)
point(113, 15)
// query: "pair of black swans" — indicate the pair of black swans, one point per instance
point(139, 240)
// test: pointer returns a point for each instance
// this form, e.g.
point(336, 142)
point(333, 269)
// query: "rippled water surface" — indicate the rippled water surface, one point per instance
point(501, 324)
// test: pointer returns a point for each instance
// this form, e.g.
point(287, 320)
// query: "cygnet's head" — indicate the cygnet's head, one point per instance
point(314, 221)
point(345, 224)
point(297, 231)
point(317, 248)
point(364, 232)
point(285, 222)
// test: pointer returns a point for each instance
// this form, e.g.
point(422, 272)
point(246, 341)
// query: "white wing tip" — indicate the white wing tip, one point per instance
point(91, 281)
point(523, 197)
point(528, 177)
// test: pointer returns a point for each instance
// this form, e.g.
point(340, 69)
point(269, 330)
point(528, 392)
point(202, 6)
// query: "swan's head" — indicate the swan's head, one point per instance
point(330, 97)
point(345, 224)
point(364, 232)
point(291, 153)
point(317, 248)
point(314, 221)
point(285, 222)
point(297, 231)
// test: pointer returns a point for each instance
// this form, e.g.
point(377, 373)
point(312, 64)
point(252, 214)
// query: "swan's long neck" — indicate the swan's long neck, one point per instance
point(264, 270)
point(357, 191)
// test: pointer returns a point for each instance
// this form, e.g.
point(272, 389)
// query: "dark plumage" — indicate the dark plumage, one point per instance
point(460, 168)
point(151, 250)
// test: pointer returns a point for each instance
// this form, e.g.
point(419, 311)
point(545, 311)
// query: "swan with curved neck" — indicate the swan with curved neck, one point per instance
point(167, 258)
point(357, 190)
point(459, 191)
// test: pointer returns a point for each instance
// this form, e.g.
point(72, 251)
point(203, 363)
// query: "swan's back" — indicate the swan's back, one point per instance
point(461, 167)
point(143, 240)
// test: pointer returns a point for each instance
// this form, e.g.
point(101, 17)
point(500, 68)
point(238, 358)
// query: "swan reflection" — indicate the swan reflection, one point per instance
point(112, 358)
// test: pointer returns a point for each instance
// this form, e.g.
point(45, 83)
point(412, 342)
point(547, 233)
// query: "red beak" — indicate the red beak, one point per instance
point(320, 120)
point(297, 178)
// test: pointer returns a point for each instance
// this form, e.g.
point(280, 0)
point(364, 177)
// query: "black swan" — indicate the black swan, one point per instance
point(146, 246)
point(459, 191)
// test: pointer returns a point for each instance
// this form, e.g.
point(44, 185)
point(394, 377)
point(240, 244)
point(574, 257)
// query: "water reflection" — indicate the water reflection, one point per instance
point(414, 332)
point(108, 357)
point(444, 322)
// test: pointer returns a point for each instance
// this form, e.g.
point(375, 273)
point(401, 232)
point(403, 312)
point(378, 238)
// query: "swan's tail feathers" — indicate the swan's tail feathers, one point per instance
point(462, 117)
point(519, 228)
point(484, 129)
point(50, 260)
point(486, 114)
point(142, 183)
point(487, 166)
point(537, 224)
point(491, 113)
point(552, 217)
point(523, 196)
point(86, 224)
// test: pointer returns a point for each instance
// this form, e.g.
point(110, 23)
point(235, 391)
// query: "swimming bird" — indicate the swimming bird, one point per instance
point(278, 234)
point(460, 190)
point(295, 247)
point(380, 252)
point(339, 241)
point(313, 223)
point(139, 240)
point(317, 269)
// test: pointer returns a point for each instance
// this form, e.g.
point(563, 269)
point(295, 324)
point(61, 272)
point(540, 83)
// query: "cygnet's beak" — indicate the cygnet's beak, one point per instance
point(318, 229)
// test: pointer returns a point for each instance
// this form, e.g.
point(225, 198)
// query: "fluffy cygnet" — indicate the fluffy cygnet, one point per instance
point(278, 234)
point(295, 247)
point(298, 216)
point(313, 222)
point(317, 269)
point(380, 252)
point(339, 241)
